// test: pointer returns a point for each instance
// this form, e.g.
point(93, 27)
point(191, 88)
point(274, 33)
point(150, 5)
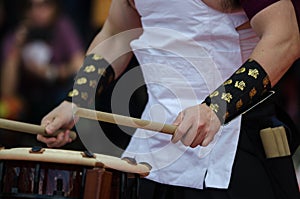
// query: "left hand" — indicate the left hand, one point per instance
point(197, 125)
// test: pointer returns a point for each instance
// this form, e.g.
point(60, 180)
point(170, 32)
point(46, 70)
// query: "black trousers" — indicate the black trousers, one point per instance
point(253, 176)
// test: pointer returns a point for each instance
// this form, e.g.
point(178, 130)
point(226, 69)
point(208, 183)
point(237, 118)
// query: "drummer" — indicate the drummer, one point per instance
point(204, 63)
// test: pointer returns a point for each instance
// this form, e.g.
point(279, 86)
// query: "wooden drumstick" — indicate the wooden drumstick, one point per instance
point(30, 128)
point(125, 120)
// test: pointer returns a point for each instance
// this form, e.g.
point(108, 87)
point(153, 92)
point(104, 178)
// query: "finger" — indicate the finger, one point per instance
point(208, 139)
point(60, 141)
point(189, 136)
point(214, 127)
point(46, 140)
point(181, 130)
point(199, 139)
point(67, 138)
point(178, 119)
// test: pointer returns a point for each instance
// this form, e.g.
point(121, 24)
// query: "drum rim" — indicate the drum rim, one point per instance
point(73, 158)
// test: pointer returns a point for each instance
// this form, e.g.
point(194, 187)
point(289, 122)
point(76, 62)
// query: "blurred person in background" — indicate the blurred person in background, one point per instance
point(79, 12)
point(40, 59)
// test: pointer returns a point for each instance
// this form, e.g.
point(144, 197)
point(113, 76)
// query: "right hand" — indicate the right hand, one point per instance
point(59, 118)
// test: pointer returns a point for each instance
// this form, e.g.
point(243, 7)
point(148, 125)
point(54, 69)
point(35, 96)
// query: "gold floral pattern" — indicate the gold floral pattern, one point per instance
point(97, 57)
point(239, 104)
point(101, 71)
point(93, 83)
point(228, 82)
point(214, 94)
point(240, 85)
point(253, 73)
point(90, 69)
point(73, 93)
point(241, 91)
point(95, 72)
point(266, 81)
point(214, 107)
point(84, 95)
point(81, 81)
point(252, 93)
point(241, 70)
point(227, 97)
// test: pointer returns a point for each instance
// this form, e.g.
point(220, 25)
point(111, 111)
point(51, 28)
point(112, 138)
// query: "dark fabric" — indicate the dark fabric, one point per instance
point(93, 77)
point(296, 4)
point(253, 175)
point(252, 7)
point(242, 90)
point(279, 171)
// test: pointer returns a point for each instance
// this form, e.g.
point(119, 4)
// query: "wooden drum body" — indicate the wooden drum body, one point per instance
point(53, 173)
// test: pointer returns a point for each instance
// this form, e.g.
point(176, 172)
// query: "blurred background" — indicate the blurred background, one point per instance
point(42, 45)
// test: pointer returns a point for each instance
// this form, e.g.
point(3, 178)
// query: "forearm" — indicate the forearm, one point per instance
point(114, 46)
point(276, 51)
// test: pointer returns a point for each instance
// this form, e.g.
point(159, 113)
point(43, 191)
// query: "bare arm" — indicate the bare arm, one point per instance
point(279, 46)
point(122, 18)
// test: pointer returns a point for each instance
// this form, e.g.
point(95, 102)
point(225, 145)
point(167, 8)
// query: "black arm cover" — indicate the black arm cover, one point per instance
point(93, 77)
point(240, 92)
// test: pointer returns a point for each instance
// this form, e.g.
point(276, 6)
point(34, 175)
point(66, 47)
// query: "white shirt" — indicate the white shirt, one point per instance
point(187, 50)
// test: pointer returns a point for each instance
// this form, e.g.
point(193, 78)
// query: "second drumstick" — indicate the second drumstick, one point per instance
point(125, 120)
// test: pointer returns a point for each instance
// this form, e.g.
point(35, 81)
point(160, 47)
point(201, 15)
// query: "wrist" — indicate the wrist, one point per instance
point(93, 77)
point(241, 91)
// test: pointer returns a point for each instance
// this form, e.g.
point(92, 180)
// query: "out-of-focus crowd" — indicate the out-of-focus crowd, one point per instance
point(42, 45)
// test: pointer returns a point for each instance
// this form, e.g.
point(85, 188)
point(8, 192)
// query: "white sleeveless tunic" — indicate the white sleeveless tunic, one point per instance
point(186, 51)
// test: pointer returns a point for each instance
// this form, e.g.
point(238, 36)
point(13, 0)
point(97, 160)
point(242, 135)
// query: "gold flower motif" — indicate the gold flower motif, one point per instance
point(253, 72)
point(214, 107)
point(240, 85)
point(81, 81)
point(214, 94)
point(93, 83)
point(241, 70)
point(227, 97)
point(84, 95)
point(252, 93)
point(73, 93)
point(89, 69)
point(239, 104)
point(226, 115)
point(266, 81)
point(97, 57)
point(228, 82)
point(101, 71)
